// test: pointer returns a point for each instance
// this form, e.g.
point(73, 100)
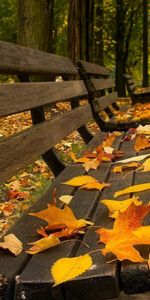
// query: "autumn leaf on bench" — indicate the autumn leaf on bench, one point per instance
point(125, 167)
point(70, 268)
point(145, 167)
point(127, 232)
point(133, 189)
point(141, 143)
point(12, 243)
point(86, 182)
point(119, 206)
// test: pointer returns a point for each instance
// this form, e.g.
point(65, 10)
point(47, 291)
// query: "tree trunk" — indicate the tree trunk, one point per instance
point(99, 59)
point(35, 24)
point(145, 44)
point(120, 31)
point(80, 30)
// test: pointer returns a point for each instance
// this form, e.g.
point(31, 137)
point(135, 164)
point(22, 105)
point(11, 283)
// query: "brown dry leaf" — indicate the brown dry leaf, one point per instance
point(58, 218)
point(70, 268)
point(124, 235)
point(18, 195)
point(43, 244)
point(80, 180)
point(121, 168)
point(141, 143)
point(95, 185)
point(133, 189)
point(12, 243)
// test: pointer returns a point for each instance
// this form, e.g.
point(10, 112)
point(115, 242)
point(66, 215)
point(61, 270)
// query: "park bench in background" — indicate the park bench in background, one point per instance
point(137, 94)
point(103, 94)
point(28, 277)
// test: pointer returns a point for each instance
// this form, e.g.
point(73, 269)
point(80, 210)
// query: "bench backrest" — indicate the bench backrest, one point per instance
point(101, 88)
point(129, 84)
point(26, 146)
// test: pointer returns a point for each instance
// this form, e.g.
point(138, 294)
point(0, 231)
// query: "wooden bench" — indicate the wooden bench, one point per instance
point(28, 277)
point(103, 94)
point(137, 94)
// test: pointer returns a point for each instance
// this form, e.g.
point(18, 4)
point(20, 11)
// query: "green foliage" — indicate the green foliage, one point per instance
point(8, 20)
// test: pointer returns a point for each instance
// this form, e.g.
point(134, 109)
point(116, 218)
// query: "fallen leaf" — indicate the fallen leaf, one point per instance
point(43, 244)
point(12, 243)
point(70, 268)
point(80, 180)
point(141, 143)
point(121, 168)
point(133, 158)
point(143, 129)
point(145, 167)
point(133, 189)
point(66, 199)
point(78, 160)
point(58, 218)
point(120, 206)
point(120, 239)
point(91, 164)
point(95, 185)
point(110, 137)
point(108, 150)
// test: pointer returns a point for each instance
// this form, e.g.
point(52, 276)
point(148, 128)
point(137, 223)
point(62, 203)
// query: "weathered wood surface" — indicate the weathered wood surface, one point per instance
point(106, 100)
point(16, 59)
point(144, 296)
point(101, 84)
point(93, 69)
point(19, 97)
point(23, 148)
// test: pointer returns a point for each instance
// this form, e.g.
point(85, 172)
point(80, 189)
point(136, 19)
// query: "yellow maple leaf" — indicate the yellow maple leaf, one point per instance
point(58, 218)
point(43, 244)
point(66, 269)
point(79, 160)
point(133, 189)
point(80, 180)
point(119, 206)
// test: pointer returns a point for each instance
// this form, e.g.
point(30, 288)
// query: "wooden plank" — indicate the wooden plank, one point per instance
point(16, 59)
point(94, 69)
point(102, 84)
point(106, 100)
point(22, 149)
point(83, 204)
point(18, 97)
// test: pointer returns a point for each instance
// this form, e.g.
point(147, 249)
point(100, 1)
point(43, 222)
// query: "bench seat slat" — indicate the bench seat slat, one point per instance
point(30, 95)
point(16, 59)
point(27, 146)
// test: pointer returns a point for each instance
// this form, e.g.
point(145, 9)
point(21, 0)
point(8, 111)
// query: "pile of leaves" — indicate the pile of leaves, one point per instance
point(135, 113)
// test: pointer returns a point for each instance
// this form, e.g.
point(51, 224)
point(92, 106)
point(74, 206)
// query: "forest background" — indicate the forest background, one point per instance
point(113, 33)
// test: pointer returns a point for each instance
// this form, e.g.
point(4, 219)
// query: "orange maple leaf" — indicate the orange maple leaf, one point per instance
point(141, 143)
point(124, 234)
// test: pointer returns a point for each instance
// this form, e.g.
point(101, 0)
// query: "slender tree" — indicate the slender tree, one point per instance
point(98, 51)
point(145, 43)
